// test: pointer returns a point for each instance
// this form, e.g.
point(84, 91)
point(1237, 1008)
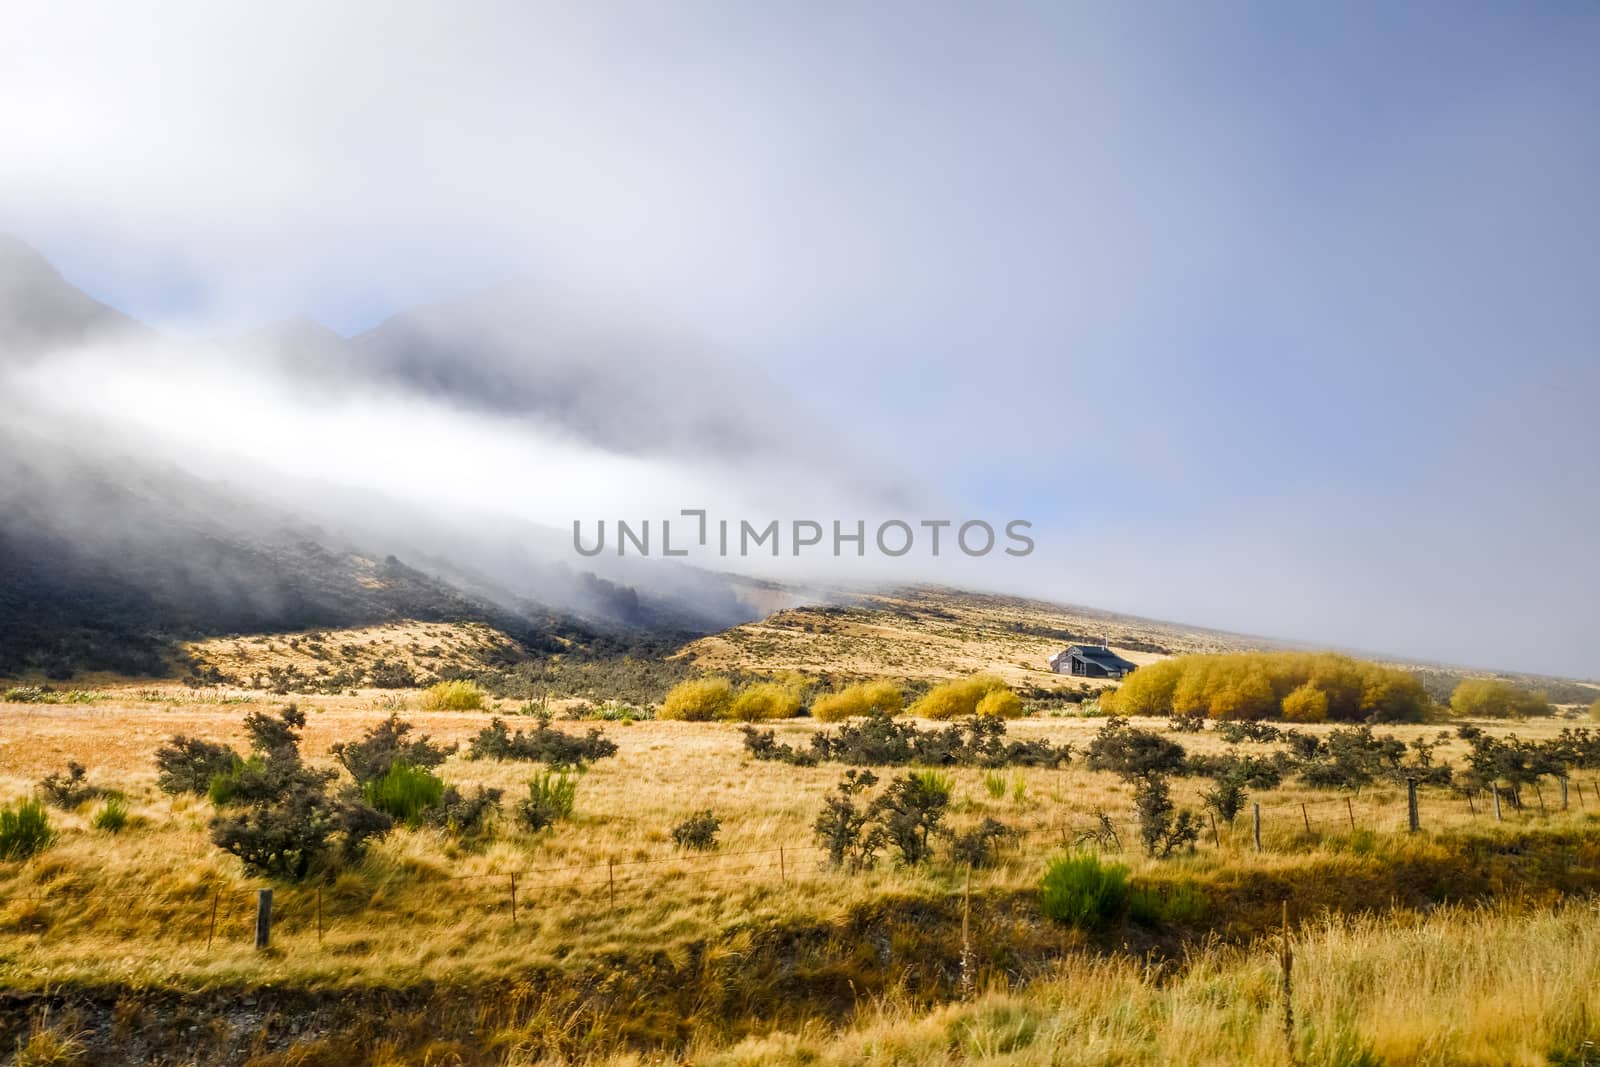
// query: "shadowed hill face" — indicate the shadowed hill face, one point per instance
point(40, 310)
point(109, 553)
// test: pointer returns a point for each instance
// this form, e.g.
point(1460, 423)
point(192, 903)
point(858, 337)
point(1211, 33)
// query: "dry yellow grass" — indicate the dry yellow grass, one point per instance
point(425, 648)
point(1480, 987)
point(135, 907)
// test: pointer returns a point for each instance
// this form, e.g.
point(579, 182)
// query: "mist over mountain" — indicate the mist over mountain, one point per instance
point(124, 529)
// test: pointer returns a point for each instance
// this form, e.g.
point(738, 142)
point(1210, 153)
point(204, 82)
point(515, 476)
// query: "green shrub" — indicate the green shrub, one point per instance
point(24, 830)
point(384, 746)
point(551, 797)
point(404, 793)
point(68, 791)
point(910, 811)
point(995, 784)
point(458, 695)
point(1079, 891)
point(979, 846)
point(189, 764)
point(1182, 902)
point(112, 816)
point(699, 700)
point(1489, 698)
point(698, 831)
point(544, 744)
point(467, 816)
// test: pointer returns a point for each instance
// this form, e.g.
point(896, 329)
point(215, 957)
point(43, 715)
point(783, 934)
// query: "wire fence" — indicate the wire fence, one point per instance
point(233, 913)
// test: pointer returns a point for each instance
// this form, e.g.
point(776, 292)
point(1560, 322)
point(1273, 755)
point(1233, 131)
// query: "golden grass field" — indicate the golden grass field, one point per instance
point(624, 949)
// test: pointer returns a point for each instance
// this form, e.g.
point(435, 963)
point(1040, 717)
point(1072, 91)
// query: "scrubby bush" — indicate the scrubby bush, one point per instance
point(277, 814)
point(1227, 797)
point(24, 830)
point(860, 699)
point(879, 740)
point(1237, 731)
point(544, 744)
point(1490, 698)
point(1181, 903)
point(699, 700)
point(188, 764)
point(956, 699)
point(910, 811)
point(979, 846)
point(1162, 826)
point(404, 793)
point(457, 695)
point(385, 745)
point(71, 789)
point(1130, 752)
point(112, 816)
point(765, 700)
point(551, 797)
point(1079, 890)
point(843, 828)
point(466, 815)
point(1257, 685)
point(995, 785)
point(698, 831)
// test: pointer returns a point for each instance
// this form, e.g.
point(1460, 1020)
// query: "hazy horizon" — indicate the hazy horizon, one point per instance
point(1270, 321)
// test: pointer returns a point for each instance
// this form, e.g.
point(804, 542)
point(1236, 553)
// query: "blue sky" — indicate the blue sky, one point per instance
point(1274, 317)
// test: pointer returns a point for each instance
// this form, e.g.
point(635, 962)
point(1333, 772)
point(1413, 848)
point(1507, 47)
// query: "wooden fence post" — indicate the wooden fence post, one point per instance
point(966, 941)
point(1580, 794)
point(1350, 810)
point(783, 869)
point(1494, 791)
point(1288, 986)
point(1471, 807)
point(1215, 835)
point(1539, 793)
point(263, 918)
point(1305, 817)
point(1412, 819)
point(513, 877)
point(1563, 792)
point(1258, 827)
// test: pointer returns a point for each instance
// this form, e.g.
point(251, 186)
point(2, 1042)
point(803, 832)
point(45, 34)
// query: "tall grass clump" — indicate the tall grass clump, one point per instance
point(1080, 891)
point(24, 830)
point(961, 698)
point(699, 700)
point(551, 797)
point(405, 793)
point(857, 700)
point(458, 695)
point(113, 814)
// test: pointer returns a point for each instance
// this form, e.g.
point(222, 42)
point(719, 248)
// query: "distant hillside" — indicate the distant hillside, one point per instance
point(938, 633)
point(941, 633)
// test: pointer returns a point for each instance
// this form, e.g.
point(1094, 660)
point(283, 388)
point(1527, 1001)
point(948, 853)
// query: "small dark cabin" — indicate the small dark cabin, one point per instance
point(1091, 661)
